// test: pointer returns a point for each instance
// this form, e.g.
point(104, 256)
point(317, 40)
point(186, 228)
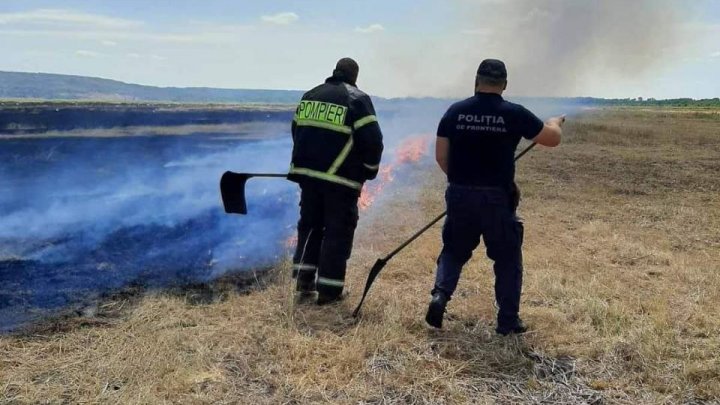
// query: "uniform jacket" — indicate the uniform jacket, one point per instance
point(336, 136)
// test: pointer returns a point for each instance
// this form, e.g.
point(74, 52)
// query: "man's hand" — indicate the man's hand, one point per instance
point(371, 171)
point(551, 132)
point(559, 121)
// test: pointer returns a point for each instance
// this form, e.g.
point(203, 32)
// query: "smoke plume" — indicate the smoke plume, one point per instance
point(81, 215)
point(551, 47)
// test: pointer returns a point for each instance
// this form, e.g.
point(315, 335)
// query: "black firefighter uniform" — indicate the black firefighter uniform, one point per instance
point(337, 145)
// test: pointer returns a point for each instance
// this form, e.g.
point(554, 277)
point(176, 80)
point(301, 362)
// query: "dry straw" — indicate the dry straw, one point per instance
point(621, 289)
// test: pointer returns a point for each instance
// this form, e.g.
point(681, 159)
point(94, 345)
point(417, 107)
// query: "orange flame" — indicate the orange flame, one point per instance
point(291, 242)
point(409, 151)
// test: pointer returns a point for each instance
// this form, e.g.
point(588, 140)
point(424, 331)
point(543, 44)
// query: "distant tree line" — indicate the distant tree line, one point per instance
point(43, 86)
point(650, 102)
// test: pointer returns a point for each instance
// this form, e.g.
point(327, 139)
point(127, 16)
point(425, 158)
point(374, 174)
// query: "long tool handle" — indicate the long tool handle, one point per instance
point(415, 236)
point(265, 174)
point(524, 151)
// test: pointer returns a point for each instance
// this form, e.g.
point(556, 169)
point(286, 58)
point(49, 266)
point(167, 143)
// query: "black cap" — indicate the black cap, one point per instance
point(492, 68)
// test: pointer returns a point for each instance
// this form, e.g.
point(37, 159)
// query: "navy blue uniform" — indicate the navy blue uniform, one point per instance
point(484, 132)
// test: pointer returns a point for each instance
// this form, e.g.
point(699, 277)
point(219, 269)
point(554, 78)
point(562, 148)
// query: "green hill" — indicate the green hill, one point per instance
point(18, 85)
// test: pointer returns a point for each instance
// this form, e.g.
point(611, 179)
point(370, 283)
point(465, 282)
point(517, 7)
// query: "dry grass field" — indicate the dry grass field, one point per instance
point(622, 290)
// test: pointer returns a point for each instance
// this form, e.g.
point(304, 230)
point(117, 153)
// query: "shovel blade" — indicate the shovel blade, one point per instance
point(232, 190)
point(374, 271)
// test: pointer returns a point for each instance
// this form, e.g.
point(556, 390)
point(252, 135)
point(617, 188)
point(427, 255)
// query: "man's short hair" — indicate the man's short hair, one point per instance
point(489, 81)
point(491, 72)
point(348, 69)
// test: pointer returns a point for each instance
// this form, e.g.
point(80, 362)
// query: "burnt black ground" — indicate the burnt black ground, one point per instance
point(81, 217)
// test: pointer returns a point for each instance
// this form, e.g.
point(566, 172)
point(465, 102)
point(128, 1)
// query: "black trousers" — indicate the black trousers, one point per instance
point(328, 218)
point(473, 213)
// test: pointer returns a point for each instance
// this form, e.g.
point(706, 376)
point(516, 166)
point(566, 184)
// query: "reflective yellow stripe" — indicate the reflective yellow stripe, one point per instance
point(326, 176)
point(325, 125)
point(321, 114)
point(300, 266)
point(330, 282)
point(341, 157)
point(371, 167)
point(321, 111)
point(364, 121)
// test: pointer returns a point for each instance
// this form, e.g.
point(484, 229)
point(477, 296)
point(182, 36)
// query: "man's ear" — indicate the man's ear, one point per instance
point(505, 85)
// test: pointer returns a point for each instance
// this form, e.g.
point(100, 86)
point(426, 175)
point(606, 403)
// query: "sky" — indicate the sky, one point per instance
point(613, 48)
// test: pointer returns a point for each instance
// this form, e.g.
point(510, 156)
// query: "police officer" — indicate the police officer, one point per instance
point(337, 147)
point(476, 142)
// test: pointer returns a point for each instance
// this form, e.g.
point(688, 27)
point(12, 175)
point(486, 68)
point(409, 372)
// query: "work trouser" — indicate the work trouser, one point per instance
point(473, 212)
point(328, 217)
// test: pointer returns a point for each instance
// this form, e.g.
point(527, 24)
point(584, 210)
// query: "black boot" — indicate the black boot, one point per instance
point(518, 327)
point(436, 310)
point(305, 287)
point(305, 284)
point(324, 299)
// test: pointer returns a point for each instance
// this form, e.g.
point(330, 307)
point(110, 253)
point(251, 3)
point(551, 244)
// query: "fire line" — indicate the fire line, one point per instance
point(410, 150)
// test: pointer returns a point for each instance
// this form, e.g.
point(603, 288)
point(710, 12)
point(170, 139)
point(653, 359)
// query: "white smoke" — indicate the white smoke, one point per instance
point(551, 47)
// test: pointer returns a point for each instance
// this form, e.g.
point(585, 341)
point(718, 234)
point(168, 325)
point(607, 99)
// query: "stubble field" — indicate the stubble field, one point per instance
point(622, 286)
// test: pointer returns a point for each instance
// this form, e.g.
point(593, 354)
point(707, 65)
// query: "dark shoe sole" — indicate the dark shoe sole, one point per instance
point(434, 316)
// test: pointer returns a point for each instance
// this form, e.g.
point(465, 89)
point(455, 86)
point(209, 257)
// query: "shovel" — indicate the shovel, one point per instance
point(232, 190)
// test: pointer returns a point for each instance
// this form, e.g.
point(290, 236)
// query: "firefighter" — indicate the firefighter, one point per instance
point(337, 145)
point(476, 142)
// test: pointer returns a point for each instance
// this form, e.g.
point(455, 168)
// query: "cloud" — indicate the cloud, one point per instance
point(370, 29)
point(715, 54)
point(281, 18)
point(134, 55)
point(109, 32)
point(66, 17)
point(215, 37)
point(86, 54)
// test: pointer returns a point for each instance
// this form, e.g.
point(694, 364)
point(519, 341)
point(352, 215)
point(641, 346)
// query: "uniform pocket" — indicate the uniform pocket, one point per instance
point(508, 227)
